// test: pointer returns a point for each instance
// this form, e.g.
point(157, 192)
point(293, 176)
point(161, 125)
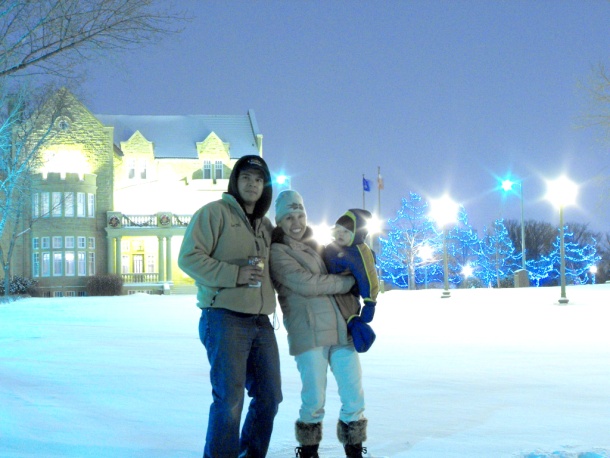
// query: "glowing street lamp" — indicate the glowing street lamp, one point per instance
point(283, 182)
point(593, 271)
point(507, 185)
point(467, 271)
point(322, 233)
point(562, 192)
point(444, 211)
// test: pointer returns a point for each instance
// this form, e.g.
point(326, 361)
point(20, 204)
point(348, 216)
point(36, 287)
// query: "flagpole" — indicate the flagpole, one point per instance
point(379, 191)
point(363, 205)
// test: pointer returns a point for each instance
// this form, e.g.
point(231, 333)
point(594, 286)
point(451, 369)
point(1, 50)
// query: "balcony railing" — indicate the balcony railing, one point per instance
point(148, 277)
point(118, 220)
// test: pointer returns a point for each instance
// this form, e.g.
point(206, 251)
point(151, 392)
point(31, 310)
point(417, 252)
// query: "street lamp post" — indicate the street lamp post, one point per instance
point(562, 256)
point(562, 192)
point(444, 211)
point(507, 185)
point(425, 252)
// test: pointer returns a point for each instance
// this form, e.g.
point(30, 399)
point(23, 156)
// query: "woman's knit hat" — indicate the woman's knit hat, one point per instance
point(288, 201)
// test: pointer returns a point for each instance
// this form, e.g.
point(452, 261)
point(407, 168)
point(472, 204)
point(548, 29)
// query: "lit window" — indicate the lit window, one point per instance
point(150, 261)
point(46, 265)
point(58, 264)
point(80, 204)
point(82, 264)
point(45, 204)
point(131, 169)
point(56, 202)
point(36, 205)
point(91, 206)
point(36, 265)
point(124, 264)
point(91, 263)
point(143, 166)
point(207, 170)
point(68, 204)
point(70, 267)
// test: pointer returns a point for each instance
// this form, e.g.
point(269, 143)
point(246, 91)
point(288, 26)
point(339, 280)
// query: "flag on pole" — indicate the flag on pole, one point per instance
point(366, 184)
point(379, 182)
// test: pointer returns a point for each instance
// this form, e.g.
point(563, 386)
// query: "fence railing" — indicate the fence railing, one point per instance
point(145, 277)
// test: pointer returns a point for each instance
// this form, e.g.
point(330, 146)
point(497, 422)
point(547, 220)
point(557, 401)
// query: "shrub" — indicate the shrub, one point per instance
point(19, 285)
point(105, 285)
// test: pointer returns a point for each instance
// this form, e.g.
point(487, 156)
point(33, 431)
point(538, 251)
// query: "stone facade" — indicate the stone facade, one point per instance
point(104, 202)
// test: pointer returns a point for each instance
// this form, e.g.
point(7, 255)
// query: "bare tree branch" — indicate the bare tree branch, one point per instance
point(54, 35)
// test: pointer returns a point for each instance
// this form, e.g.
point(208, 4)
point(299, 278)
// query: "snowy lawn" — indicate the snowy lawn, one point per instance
point(485, 373)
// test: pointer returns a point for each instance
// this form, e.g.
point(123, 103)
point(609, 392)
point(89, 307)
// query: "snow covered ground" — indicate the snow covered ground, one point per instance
point(485, 373)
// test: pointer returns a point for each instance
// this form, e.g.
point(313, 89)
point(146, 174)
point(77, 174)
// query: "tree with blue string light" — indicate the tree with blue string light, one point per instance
point(497, 258)
point(401, 250)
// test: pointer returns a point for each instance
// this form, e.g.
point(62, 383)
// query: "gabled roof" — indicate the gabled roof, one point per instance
point(176, 136)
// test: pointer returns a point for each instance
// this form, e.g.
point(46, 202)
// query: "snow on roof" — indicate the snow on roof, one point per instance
point(176, 136)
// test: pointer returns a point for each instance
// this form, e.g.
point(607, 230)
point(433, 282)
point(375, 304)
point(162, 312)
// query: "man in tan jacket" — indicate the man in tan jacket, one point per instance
point(236, 297)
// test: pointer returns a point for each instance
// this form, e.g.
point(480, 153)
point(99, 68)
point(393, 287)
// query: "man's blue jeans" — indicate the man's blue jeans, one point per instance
point(243, 355)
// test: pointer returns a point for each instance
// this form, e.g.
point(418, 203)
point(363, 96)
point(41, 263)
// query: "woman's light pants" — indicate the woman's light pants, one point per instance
point(345, 365)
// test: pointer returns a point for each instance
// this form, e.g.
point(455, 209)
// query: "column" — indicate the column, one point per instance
point(118, 256)
point(161, 259)
point(110, 254)
point(168, 257)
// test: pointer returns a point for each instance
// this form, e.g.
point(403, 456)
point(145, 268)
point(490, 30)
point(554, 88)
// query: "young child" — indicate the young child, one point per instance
point(349, 253)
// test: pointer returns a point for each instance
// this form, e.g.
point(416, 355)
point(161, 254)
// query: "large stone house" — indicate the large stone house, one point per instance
point(116, 192)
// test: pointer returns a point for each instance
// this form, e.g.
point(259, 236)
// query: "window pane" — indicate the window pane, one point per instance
point(143, 165)
point(56, 202)
point(46, 264)
point(207, 170)
point(82, 242)
point(91, 266)
point(57, 242)
point(36, 205)
point(58, 266)
point(80, 204)
point(131, 168)
point(45, 243)
point(68, 204)
point(218, 167)
point(45, 204)
point(82, 267)
point(70, 263)
point(70, 241)
point(36, 265)
point(91, 206)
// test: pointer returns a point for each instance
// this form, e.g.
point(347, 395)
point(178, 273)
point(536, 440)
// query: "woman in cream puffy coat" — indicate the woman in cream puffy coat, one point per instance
point(317, 332)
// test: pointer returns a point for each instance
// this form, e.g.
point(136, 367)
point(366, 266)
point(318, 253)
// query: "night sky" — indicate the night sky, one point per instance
point(444, 96)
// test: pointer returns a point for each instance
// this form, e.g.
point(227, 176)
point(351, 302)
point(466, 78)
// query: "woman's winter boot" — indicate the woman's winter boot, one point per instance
point(309, 436)
point(352, 435)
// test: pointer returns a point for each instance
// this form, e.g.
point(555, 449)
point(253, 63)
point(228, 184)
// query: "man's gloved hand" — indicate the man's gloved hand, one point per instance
point(368, 312)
